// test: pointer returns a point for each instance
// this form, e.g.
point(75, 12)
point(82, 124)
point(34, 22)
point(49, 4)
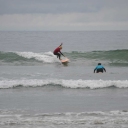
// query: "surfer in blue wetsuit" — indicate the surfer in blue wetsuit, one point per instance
point(99, 68)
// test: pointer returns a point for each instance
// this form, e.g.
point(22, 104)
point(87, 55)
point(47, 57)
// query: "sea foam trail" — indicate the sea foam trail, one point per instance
point(46, 57)
point(92, 84)
point(27, 57)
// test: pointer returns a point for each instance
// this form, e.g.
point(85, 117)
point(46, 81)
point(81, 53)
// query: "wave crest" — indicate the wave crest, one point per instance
point(74, 84)
point(27, 57)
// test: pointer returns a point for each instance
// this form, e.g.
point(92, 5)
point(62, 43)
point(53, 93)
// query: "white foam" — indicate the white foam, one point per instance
point(46, 57)
point(77, 120)
point(92, 84)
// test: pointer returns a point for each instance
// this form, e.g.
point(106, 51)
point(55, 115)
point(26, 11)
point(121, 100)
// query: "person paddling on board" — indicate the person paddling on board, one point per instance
point(99, 68)
point(57, 52)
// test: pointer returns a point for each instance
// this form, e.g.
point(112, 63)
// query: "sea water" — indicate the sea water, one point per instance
point(36, 90)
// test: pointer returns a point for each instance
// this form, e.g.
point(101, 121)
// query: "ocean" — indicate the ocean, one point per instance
point(38, 91)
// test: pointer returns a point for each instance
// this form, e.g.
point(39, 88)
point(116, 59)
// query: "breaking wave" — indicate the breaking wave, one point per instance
point(27, 57)
point(74, 84)
point(113, 57)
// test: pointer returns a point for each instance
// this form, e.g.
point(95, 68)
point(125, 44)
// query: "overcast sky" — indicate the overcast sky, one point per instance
point(63, 15)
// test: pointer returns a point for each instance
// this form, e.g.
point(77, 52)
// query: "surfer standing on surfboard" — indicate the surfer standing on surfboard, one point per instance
point(57, 52)
point(99, 68)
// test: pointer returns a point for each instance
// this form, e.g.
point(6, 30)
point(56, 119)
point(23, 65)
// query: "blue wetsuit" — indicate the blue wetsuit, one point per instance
point(99, 68)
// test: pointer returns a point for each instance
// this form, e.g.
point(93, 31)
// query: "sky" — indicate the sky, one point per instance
point(63, 15)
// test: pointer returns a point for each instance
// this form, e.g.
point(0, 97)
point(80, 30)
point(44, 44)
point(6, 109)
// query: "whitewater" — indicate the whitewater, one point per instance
point(92, 84)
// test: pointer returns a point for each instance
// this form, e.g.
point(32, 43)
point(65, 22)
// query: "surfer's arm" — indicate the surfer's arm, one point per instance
point(61, 44)
point(62, 53)
point(95, 69)
point(104, 69)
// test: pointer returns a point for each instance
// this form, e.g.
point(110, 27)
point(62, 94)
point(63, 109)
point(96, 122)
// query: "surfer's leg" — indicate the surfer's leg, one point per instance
point(58, 55)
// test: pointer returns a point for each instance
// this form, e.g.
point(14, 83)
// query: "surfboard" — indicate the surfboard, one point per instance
point(64, 61)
